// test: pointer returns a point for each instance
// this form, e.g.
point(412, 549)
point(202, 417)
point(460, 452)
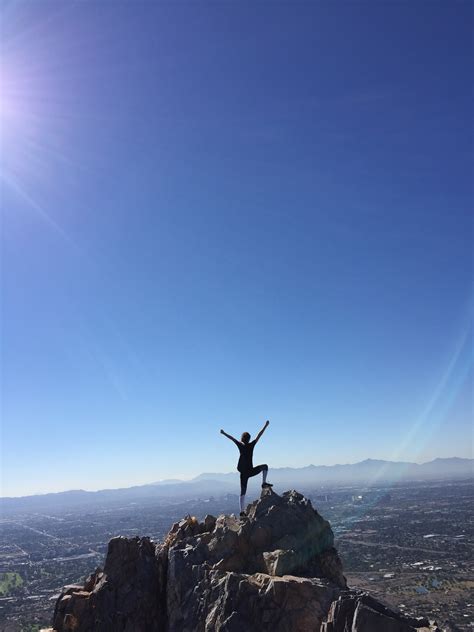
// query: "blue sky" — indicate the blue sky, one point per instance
point(219, 213)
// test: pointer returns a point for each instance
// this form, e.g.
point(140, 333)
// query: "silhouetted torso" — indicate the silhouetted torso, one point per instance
point(246, 456)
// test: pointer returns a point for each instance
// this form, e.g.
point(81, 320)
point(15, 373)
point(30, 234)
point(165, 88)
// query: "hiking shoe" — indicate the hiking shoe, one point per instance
point(267, 485)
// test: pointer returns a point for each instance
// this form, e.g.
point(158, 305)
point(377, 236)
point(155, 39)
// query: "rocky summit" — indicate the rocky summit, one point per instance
point(276, 570)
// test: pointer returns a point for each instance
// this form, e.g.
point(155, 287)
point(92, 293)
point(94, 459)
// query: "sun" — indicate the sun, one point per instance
point(25, 126)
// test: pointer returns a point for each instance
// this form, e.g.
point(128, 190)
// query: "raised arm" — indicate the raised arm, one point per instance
point(267, 423)
point(230, 437)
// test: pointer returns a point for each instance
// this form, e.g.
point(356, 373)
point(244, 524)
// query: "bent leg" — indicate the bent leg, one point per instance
point(264, 469)
point(257, 469)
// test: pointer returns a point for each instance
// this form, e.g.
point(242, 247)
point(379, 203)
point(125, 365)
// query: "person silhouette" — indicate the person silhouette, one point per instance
point(245, 464)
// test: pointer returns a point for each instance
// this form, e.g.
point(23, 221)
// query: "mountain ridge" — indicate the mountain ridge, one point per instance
point(449, 462)
point(368, 471)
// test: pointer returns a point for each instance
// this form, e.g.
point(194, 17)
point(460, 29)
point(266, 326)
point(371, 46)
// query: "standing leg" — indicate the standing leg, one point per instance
point(243, 491)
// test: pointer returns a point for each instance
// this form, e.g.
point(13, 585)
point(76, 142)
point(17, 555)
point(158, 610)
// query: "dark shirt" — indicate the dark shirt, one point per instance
point(246, 455)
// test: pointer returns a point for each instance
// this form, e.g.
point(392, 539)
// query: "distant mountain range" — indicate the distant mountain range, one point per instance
point(368, 472)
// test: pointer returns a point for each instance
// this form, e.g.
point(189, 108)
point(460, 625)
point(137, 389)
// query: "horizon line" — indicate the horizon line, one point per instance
point(193, 478)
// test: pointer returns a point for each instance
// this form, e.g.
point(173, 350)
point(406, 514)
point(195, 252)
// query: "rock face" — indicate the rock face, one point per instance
point(126, 595)
point(357, 612)
point(275, 570)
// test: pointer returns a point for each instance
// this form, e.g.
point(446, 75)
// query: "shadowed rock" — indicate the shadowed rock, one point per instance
point(358, 612)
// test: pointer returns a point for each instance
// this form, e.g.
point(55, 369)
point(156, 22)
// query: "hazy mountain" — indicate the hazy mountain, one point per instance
point(109, 498)
point(167, 481)
point(205, 485)
point(367, 471)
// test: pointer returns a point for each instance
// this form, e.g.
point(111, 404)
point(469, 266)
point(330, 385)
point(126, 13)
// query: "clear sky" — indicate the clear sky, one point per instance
point(218, 213)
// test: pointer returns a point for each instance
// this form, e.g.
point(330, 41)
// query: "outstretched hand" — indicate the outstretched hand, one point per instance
point(222, 432)
point(267, 423)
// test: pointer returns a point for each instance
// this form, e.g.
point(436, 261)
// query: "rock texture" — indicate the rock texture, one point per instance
point(358, 612)
point(275, 570)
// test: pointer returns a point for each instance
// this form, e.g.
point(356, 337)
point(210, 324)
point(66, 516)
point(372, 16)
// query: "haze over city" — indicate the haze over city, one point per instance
point(217, 214)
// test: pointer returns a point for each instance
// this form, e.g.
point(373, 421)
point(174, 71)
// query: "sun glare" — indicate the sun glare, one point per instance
point(24, 127)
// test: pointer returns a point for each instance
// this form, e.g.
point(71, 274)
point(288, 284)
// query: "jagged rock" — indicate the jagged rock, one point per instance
point(276, 570)
point(359, 612)
point(233, 602)
point(126, 596)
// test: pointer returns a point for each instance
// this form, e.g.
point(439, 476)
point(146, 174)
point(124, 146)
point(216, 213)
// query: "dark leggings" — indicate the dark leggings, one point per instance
point(244, 476)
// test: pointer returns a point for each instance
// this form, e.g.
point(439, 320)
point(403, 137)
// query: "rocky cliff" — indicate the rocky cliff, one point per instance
point(275, 570)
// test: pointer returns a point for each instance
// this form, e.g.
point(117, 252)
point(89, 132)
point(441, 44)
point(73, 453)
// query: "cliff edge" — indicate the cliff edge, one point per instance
point(275, 570)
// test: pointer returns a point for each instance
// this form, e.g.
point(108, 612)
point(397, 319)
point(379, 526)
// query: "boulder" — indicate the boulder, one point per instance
point(233, 602)
point(355, 611)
